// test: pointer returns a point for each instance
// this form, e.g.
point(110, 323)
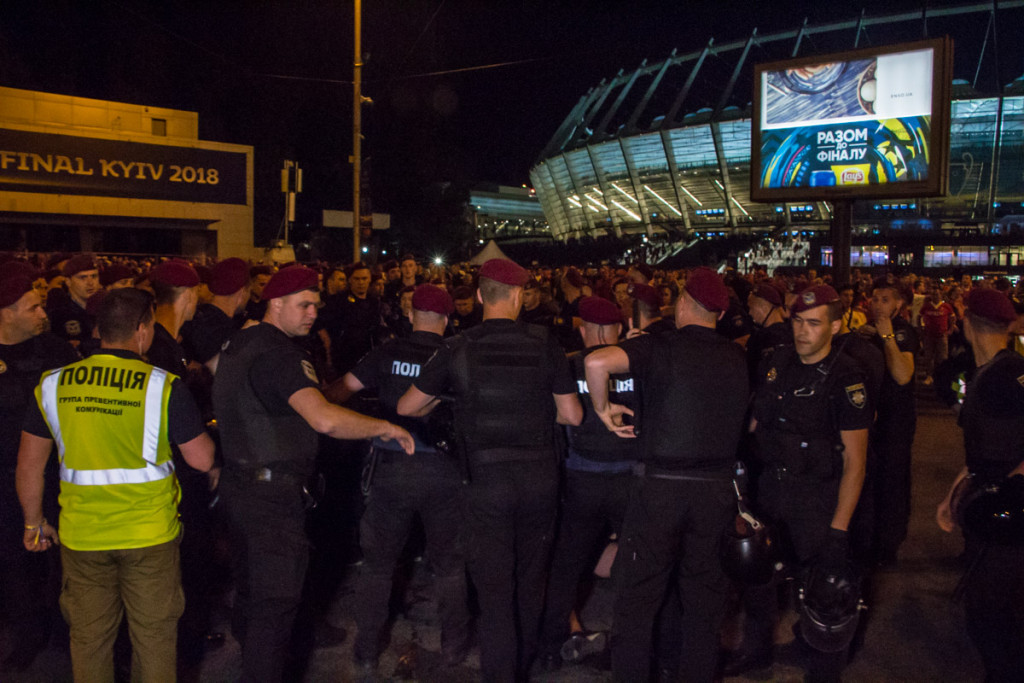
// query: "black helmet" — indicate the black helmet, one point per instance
point(994, 513)
point(830, 607)
point(746, 549)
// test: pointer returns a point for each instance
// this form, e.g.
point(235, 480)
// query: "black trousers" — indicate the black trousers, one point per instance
point(892, 439)
point(594, 505)
point(509, 521)
point(994, 606)
point(270, 554)
point(403, 487)
point(671, 524)
point(800, 510)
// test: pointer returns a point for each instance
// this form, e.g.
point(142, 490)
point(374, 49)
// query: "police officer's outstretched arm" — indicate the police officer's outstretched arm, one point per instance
point(600, 366)
point(342, 423)
point(415, 403)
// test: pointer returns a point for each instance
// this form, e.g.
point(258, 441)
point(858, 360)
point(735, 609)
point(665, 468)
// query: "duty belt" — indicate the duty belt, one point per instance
point(267, 475)
point(644, 470)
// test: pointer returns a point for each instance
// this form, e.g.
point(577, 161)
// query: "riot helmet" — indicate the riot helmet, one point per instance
point(994, 513)
point(746, 549)
point(830, 607)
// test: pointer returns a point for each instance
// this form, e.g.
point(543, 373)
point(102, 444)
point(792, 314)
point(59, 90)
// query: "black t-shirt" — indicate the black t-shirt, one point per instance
point(204, 335)
point(762, 344)
point(992, 416)
point(166, 353)
point(896, 399)
point(21, 367)
point(69, 321)
point(184, 422)
point(276, 375)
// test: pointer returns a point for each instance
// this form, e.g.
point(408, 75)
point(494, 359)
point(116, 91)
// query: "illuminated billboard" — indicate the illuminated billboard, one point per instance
point(865, 124)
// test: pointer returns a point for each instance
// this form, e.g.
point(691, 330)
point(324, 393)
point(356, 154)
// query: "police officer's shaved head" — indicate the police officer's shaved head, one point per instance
point(121, 313)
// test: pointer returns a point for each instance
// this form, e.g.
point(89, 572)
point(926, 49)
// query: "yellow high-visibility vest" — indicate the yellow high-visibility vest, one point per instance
point(108, 416)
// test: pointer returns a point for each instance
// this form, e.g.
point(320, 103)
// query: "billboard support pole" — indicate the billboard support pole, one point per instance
point(842, 243)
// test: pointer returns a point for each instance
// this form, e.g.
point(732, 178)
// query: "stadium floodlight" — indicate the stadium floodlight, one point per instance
point(597, 202)
point(740, 207)
point(625, 194)
point(598, 190)
point(635, 217)
point(690, 195)
point(662, 200)
point(438, 261)
point(574, 202)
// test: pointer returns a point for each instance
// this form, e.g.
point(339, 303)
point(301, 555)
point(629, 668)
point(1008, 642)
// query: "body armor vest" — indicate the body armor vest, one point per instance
point(251, 436)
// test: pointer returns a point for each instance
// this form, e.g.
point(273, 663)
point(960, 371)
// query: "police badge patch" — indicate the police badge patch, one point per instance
point(307, 368)
point(73, 328)
point(856, 395)
point(772, 375)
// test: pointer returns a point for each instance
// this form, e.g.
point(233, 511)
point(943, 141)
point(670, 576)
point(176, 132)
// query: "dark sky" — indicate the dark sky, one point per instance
point(260, 72)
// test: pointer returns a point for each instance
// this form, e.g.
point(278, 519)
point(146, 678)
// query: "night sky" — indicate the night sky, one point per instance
point(276, 75)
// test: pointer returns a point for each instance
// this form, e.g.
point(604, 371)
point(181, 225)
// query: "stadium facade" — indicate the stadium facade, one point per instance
point(664, 150)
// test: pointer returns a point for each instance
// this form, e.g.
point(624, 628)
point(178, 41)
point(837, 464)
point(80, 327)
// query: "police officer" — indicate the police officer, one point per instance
point(466, 314)
point(598, 471)
point(690, 403)
point(647, 310)
point(771, 329)
point(215, 322)
point(534, 311)
point(892, 436)
point(428, 485)
point(68, 317)
point(25, 352)
point(992, 419)
point(269, 409)
point(810, 420)
point(510, 382)
point(174, 285)
point(356, 324)
point(114, 418)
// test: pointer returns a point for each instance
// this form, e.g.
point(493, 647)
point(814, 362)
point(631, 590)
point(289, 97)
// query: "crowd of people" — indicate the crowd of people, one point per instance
point(532, 419)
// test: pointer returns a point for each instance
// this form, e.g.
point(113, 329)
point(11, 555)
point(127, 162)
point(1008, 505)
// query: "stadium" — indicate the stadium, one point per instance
point(660, 156)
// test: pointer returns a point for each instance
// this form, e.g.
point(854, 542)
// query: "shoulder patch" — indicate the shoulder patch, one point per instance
point(773, 374)
point(3, 367)
point(307, 368)
point(856, 395)
point(72, 328)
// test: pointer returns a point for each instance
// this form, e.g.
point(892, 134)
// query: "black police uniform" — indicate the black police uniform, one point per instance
point(354, 327)
point(568, 336)
point(427, 484)
point(891, 441)
point(541, 315)
point(800, 411)
point(458, 323)
point(210, 327)
point(692, 396)
point(69, 321)
point(503, 374)
point(29, 586)
point(762, 344)
point(598, 471)
point(269, 453)
point(992, 419)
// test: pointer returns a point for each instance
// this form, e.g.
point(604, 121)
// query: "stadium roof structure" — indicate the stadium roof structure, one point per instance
point(665, 148)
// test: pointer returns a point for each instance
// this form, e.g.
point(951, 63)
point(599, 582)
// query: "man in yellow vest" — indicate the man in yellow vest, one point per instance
point(114, 417)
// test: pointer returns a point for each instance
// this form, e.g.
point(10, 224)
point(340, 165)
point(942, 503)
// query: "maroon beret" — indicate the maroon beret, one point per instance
point(432, 299)
point(463, 292)
point(645, 293)
point(13, 286)
point(174, 274)
point(769, 293)
point(706, 286)
point(290, 280)
point(574, 278)
point(228, 276)
point(78, 264)
point(115, 273)
point(504, 271)
point(20, 268)
point(990, 304)
point(54, 260)
point(599, 311)
point(812, 297)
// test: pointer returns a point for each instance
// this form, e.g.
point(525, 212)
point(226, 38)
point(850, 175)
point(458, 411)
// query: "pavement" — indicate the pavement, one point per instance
point(914, 630)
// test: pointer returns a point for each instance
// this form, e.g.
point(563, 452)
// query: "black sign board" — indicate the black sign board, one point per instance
point(66, 164)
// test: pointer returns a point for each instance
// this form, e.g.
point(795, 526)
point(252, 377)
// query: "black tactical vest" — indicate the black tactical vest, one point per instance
point(591, 438)
point(504, 410)
point(250, 435)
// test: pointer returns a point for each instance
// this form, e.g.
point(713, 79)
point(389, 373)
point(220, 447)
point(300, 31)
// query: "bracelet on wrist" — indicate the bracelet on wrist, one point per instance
point(891, 335)
point(36, 528)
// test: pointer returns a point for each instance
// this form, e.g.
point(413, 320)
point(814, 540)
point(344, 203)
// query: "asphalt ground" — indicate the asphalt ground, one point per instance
point(914, 631)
